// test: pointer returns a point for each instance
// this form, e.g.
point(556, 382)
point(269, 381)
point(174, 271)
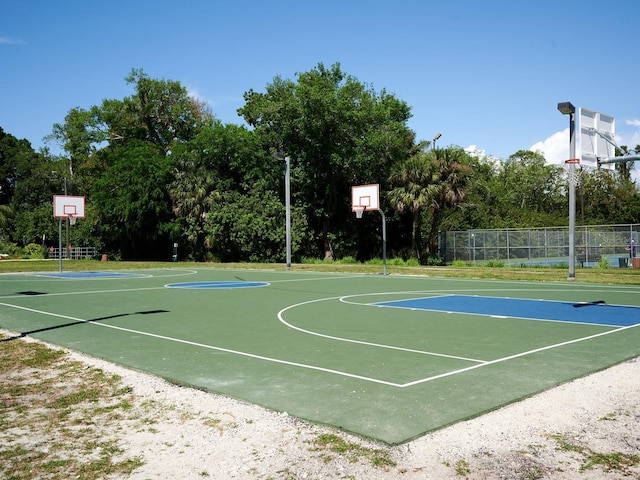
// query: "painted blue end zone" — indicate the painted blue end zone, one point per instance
point(216, 285)
point(596, 313)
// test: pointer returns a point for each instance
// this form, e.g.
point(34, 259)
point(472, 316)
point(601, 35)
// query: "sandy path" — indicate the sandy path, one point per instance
point(201, 435)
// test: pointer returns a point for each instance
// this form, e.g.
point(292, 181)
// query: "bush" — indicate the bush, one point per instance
point(494, 264)
point(9, 248)
point(33, 250)
point(348, 260)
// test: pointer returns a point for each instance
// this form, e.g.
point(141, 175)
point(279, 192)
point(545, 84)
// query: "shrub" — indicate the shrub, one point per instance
point(494, 263)
point(33, 250)
point(9, 248)
point(348, 259)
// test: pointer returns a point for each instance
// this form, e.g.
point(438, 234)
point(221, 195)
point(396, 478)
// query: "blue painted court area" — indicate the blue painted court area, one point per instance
point(590, 313)
point(90, 275)
point(216, 285)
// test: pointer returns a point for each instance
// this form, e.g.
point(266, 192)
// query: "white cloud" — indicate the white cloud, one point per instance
point(474, 151)
point(634, 123)
point(554, 148)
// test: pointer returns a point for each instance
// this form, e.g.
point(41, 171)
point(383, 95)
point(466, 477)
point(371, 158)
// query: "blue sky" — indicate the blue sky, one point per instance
point(487, 74)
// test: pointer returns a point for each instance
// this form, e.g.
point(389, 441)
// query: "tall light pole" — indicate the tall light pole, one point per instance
point(567, 108)
point(438, 135)
point(287, 196)
point(287, 200)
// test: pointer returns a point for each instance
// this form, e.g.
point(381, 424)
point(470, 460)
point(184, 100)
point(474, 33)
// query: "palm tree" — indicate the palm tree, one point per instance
point(6, 214)
point(450, 178)
point(414, 177)
point(434, 180)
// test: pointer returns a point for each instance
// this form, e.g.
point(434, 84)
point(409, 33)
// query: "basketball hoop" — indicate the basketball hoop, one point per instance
point(359, 210)
point(72, 220)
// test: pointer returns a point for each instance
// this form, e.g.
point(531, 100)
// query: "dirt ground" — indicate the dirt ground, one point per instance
point(586, 429)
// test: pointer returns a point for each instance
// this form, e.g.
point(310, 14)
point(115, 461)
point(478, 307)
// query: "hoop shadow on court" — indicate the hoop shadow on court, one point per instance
point(80, 322)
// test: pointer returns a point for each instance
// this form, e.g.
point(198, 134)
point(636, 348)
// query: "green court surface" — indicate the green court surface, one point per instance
point(385, 357)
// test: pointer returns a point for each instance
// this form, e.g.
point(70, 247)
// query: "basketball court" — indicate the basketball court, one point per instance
point(385, 357)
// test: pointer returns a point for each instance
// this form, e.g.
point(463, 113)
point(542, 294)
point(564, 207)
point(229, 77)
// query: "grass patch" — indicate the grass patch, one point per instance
point(68, 407)
point(619, 462)
point(353, 452)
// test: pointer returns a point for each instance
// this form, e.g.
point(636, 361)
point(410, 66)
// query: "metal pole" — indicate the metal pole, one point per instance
point(287, 194)
point(60, 243)
point(384, 243)
point(572, 197)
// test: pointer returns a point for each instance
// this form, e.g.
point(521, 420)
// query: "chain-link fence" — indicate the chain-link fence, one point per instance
point(73, 253)
point(543, 246)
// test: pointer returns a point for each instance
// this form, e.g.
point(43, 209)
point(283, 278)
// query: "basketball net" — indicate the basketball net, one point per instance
point(359, 211)
point(72, 220)
point(574, 174)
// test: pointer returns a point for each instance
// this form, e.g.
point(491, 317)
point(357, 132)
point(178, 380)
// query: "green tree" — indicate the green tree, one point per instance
point(139, 129)
point(625, 168)
point(161, 111)
point(530, 191)
point(450, 180)
point(338, 133)
point(28, 181)
point(132, 201)
point(606, 197)
point(413, 178)
point(6, 215)
point(480, 206)
point(433, 182)
point(226, 193)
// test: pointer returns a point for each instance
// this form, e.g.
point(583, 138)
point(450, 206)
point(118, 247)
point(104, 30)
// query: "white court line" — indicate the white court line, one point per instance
point(28, 275)
point(480, 363)
point(517, 355)
point(361, 342)
point(210, 347)
point(125, 274)
point(88, 292)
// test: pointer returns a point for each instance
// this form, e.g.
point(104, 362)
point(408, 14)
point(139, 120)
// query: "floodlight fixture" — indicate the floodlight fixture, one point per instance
point(566, 108)
point(437, 136)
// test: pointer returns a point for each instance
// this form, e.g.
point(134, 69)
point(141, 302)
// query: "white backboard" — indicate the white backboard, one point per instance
point(366, 196)
point(65, 206)
point(595, 137)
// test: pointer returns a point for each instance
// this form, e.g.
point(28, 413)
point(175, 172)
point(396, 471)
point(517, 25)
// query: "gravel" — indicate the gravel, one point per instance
point(587, 429)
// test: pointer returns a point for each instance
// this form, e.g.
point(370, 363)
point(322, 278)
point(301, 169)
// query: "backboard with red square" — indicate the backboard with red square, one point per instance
point(365, 197)
point(67, 206)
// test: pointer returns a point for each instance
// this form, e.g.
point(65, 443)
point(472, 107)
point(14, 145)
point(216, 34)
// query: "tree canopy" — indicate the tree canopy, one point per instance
point(157, 167)
point(339, 132)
